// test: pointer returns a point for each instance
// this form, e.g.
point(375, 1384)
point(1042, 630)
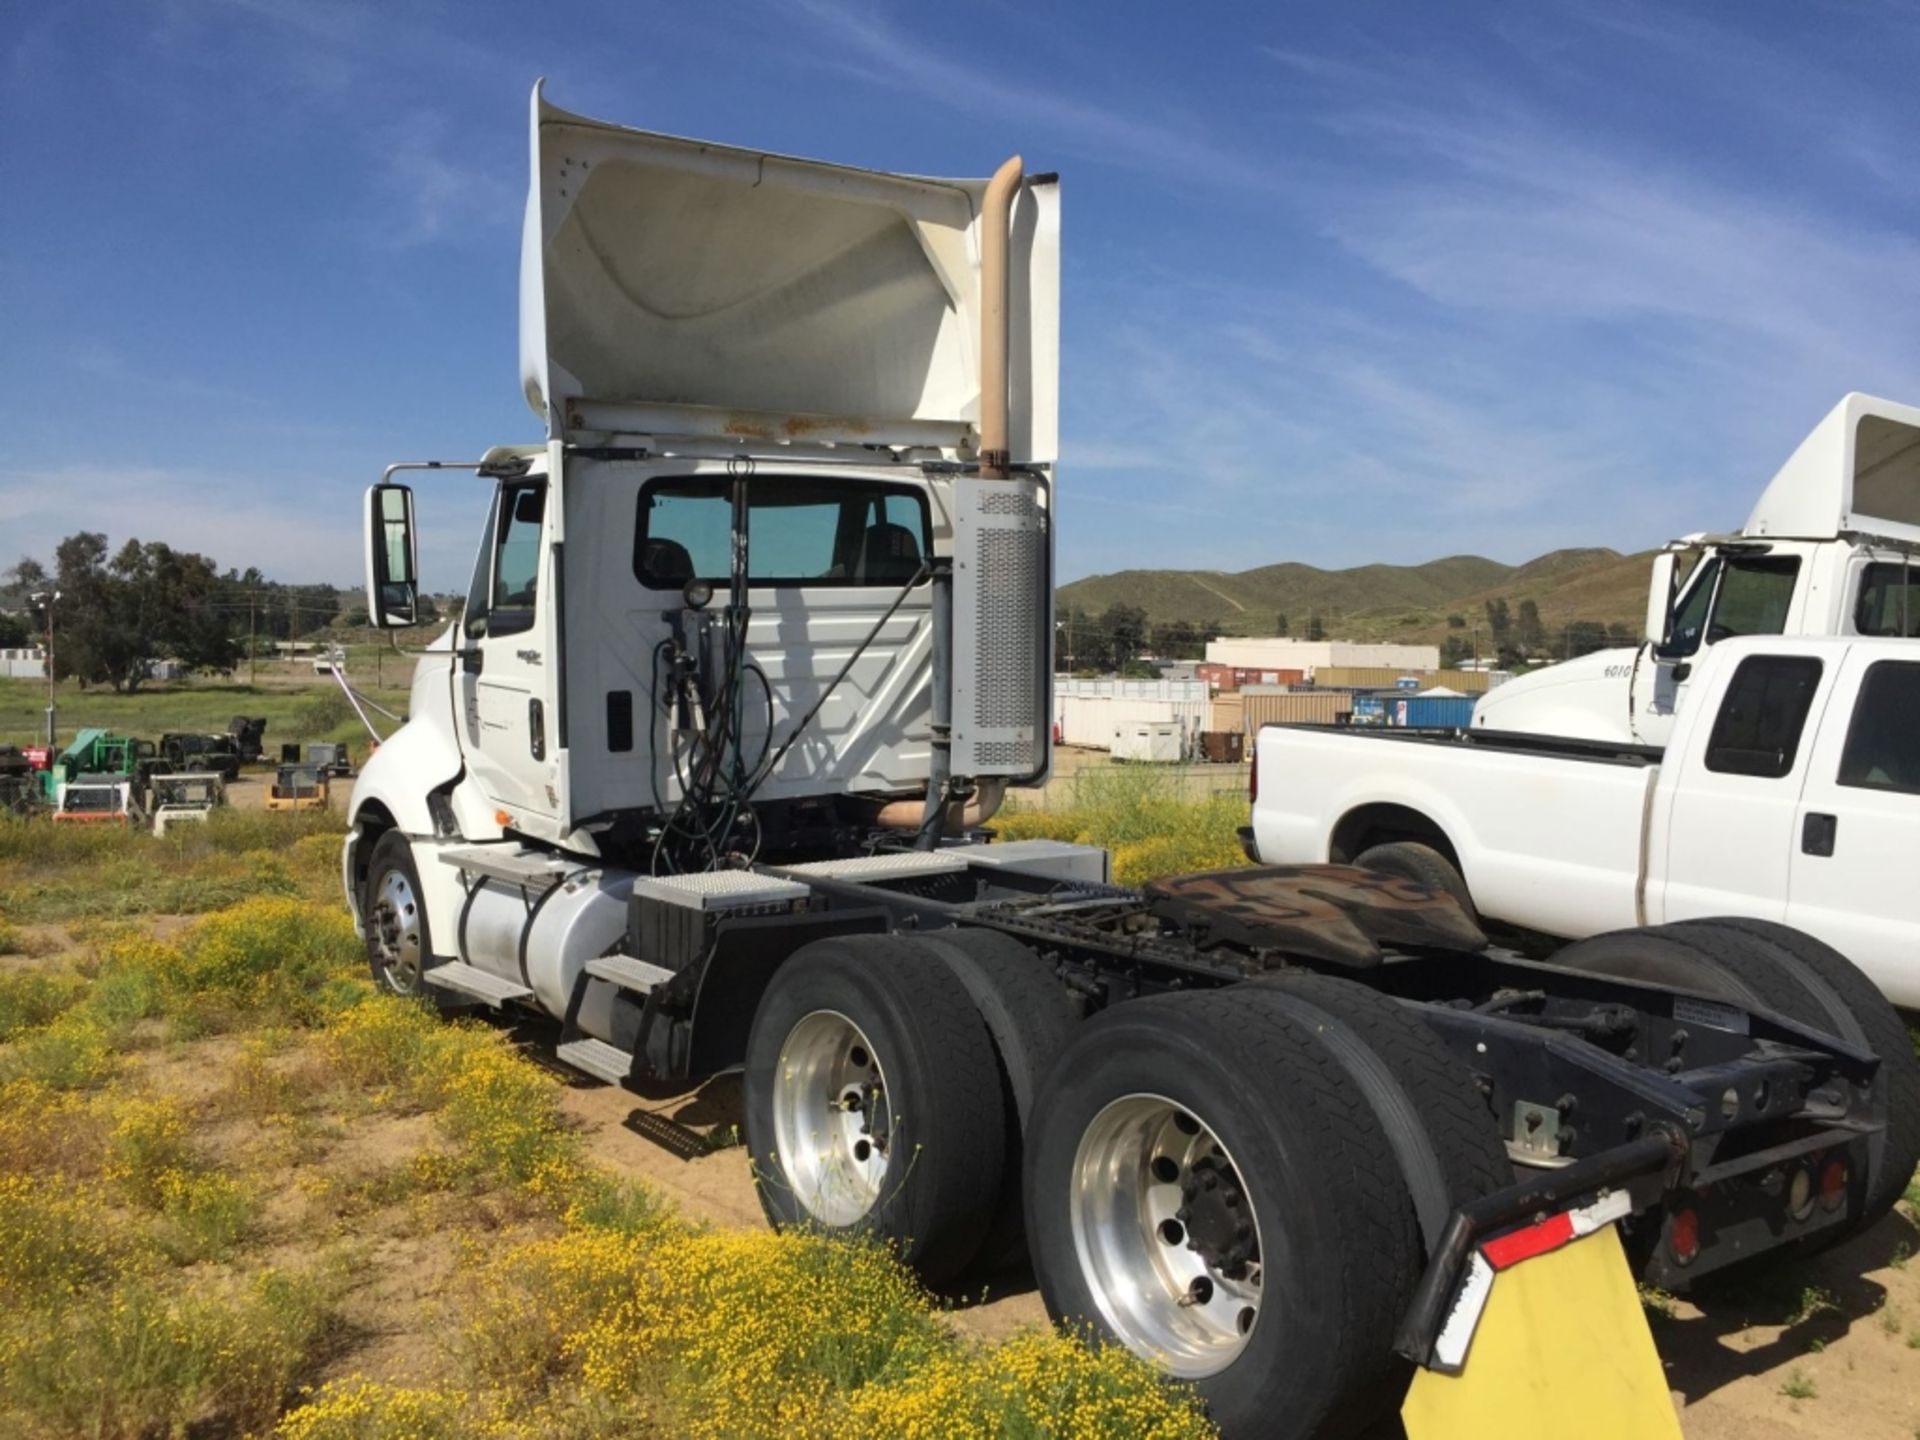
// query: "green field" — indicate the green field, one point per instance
point(298, 708)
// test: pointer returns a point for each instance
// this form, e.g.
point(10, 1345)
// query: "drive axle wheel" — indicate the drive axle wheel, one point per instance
point(1207, 1186)
point(1168, 1233)
point(873, 1100)
point(832, 1120)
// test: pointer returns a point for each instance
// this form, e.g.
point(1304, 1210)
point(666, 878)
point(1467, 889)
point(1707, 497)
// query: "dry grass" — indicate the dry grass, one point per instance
point(207, 1130)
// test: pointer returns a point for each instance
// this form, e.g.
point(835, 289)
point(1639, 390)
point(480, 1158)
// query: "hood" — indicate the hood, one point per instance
point(1858, 470)
point(669, 286)
point(1584, 699)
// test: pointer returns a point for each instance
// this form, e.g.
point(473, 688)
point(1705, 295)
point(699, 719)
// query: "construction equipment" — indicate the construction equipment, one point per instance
point(185, 799)
point(300, 787)
point(98, 800)
point(220, 753)
point(248, 732)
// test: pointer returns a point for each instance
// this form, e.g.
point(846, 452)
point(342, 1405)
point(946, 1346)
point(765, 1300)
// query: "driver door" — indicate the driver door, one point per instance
point(507, 658)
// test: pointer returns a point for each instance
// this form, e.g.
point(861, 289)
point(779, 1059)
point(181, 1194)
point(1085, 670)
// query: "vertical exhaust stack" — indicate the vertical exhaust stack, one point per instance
point(996, 218)
point(996, 221)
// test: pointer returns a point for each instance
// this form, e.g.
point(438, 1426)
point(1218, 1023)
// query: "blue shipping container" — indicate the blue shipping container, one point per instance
point(1431, 712)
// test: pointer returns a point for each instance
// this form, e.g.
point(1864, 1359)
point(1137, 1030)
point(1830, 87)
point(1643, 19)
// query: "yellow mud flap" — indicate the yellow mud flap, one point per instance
point(1546, 1340)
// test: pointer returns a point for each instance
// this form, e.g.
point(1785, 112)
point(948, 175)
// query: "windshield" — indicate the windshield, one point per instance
point(1734, 595)
point(92, 799)
point(1889, 601)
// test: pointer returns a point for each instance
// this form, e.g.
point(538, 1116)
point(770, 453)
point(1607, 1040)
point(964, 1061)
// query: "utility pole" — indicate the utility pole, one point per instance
point(253, 639)
point(46, 599)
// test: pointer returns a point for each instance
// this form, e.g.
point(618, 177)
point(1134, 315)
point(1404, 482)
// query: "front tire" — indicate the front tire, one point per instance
point(394, 911)
point(873, 1101)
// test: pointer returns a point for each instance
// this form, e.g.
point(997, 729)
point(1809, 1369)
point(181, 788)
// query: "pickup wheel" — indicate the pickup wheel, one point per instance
point(1031, 1021)
point(873, 1101)
point(1829, 991)
point(1424, 865)
point(1206, 1186)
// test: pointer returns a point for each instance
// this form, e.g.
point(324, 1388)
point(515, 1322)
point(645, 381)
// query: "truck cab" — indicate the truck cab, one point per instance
point(1830, 549)
point(764, 562)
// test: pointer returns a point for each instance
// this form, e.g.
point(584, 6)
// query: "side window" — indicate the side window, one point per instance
point(1757, 731)
point(506, 584)
point(516, 560)
point(1690, 619)
point(1889, 602)
point(1883, 742)
point(1755, 596)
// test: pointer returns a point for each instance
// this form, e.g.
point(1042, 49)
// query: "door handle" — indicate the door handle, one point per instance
point(1818, 833)
point(537, 729)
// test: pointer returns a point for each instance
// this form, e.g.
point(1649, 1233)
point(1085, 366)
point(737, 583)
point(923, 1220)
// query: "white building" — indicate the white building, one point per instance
point(1281, 653)
point(22, 665)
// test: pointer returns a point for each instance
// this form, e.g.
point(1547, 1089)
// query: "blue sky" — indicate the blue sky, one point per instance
point(1342, 283)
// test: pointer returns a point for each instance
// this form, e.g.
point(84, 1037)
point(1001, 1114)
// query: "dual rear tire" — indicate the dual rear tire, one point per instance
point(1231, 1184)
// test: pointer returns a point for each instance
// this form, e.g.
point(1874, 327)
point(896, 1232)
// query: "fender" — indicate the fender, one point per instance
point(418, 758)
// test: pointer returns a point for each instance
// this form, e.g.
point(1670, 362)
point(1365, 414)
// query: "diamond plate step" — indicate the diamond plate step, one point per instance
point(470, 980)
point(629, 973)
point(598, 1059)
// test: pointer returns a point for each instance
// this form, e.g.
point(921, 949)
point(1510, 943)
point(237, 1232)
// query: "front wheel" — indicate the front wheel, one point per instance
point(394, 915)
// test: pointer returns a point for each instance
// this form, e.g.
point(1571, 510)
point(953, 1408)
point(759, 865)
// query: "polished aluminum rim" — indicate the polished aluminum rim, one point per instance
point(1167, 1236)
point(395, 928)
point(832, 1118)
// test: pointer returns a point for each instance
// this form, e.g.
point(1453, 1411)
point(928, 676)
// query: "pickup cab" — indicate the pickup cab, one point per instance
point(1790, 791)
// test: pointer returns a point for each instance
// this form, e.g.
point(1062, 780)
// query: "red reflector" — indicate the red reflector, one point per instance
point(1833, 1184)
point(1509, 1250)
point(1683, 1236)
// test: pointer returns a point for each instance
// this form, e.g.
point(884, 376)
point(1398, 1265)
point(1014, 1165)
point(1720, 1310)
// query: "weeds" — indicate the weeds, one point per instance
point(1145, 817)
point(1799, 1386)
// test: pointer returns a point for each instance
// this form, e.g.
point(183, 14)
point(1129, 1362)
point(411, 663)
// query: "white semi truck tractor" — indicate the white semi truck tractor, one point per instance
point(1830, 549)
point(757, 643)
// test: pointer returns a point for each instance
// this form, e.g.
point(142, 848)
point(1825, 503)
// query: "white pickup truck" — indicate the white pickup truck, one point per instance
point(1790, 792)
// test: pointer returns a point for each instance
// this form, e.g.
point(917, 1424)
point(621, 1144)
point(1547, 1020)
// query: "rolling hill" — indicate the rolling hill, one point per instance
point(1377, 602)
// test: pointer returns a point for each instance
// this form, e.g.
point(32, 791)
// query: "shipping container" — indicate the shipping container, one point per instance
point(1378, 677)
point(1431, 712)
point(1090, 720)
point(1296, 707)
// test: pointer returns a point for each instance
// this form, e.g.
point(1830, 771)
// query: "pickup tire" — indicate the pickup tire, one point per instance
point(1031, 1020)
point(1832, 993)
point(1207, 1186)
point(873, 1101)
point(1410, 860)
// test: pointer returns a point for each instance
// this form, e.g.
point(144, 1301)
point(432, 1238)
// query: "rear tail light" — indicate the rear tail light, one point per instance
point(1833, 1184)
point(1683, 1236)
point(1253, 773)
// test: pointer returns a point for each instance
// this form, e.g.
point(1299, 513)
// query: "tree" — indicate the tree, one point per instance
point(1315, 630)
point(1528, 635)
point(1454, 649)
point(148, 602)
point(1584, 637)
point(1280, 624)
point(1177, 640)
point(1456, 622)
point(15, 632)
point(1125, 629)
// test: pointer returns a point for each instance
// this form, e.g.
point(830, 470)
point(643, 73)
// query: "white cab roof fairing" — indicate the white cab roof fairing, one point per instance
point(665, 273)
point(1858, 470)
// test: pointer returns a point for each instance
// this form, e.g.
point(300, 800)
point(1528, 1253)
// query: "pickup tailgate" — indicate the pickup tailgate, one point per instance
point(1547, 839)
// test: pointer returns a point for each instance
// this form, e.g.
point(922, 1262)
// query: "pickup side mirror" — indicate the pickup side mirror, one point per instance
point(1660, 598)
point(393, 558)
